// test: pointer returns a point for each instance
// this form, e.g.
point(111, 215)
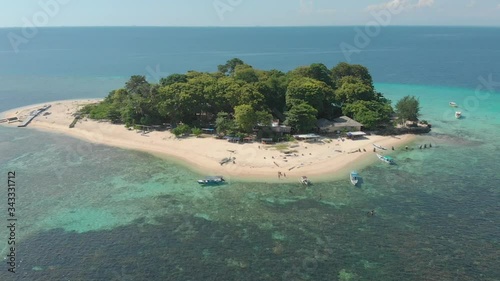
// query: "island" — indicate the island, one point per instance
point(242, 122)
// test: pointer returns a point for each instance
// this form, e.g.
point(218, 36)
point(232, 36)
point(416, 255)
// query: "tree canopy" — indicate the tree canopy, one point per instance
point(237, 98)
point(408, 108)
point(301, 117)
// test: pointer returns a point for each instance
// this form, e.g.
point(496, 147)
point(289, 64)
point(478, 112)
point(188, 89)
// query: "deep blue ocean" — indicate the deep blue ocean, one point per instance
point(92, 212)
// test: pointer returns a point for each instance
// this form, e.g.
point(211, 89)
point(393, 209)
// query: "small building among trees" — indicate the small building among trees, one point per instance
point(342, 123)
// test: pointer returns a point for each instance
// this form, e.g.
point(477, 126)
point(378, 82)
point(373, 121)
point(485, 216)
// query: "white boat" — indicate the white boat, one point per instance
point(354, 178)
point(458, 114)
point(453, 104)
point(211, 180)
point(304, 180)
point(386, 159)
point(379, 147)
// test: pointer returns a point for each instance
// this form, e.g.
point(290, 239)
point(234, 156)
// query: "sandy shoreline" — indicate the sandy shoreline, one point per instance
point(328, 159)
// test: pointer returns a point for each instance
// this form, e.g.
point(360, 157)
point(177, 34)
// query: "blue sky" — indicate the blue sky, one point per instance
point(244, 12)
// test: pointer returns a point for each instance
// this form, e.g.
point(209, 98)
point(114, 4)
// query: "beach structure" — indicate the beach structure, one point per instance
point(282, 129)
point(355, 135)
point(9, 120)
point(247, 139)
point(232, 138)
point(343, 123)
point(275, 128)
point(33, 115)
point(307, 137)
point(267, 140)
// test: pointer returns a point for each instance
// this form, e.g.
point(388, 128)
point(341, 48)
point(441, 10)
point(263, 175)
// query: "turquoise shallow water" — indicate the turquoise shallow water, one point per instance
point(113, 214)
point(91, 212)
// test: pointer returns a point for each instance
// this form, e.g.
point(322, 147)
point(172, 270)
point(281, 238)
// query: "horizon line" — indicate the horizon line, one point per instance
point(248, 26)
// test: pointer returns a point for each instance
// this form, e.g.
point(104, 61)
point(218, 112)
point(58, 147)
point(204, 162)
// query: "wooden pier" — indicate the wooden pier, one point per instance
point(34, 114)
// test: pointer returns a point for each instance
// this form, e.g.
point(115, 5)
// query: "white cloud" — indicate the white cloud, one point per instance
point(401, 4)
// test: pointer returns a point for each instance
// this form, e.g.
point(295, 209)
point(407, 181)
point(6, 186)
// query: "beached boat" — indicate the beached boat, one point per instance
point(354, 178)
point(386, 159)
point(225, 160)
point(212, 180)
point(453, 104)
point(304, 180)
point(458, 114)
point(379, 147)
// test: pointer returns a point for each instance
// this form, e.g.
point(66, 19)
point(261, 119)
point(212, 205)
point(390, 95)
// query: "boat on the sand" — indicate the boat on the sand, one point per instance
point(379, 147)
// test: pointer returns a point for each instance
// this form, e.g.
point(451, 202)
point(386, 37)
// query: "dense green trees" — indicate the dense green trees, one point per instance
point(246, 117)
point(408, 109)
point(344, 69)
point(313, 92)
point(174, 78)
point(301, 117)
point(369, 113)
point(238, 97)
point(230, 66)
point(181, 130)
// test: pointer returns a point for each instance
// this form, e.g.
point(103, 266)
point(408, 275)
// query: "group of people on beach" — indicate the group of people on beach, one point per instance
point(280, 174)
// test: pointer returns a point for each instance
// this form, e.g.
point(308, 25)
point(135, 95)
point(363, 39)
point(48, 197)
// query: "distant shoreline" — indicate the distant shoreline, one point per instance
point(253, 162)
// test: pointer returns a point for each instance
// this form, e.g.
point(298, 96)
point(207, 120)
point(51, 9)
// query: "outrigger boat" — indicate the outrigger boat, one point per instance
point(304, 180)
point(212, 180)
point(379, 147)
point(453, 104)
point(458, 114)
point(386, 159)
point(354, 178)
point(225, 160)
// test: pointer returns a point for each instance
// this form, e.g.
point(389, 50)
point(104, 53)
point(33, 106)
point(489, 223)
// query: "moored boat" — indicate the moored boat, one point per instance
point(212, 180)
point(386, 159)
point(453, 104)
point(304, 180)
point(354, 178)
point(458, 114)
point(379, 147)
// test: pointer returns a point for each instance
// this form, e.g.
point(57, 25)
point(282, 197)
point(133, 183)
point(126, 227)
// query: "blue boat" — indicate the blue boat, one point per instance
point(212, 180)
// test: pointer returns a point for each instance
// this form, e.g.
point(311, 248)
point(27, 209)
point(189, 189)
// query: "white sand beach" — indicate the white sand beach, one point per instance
point(253, 161)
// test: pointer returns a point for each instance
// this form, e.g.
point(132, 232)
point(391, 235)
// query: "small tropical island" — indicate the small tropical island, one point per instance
point(244, 122)
point(239, 100)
